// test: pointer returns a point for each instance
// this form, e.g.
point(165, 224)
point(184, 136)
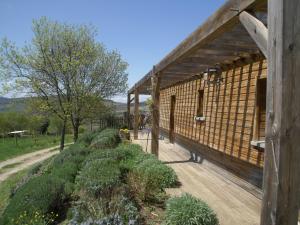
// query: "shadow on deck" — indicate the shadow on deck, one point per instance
point(232, 203)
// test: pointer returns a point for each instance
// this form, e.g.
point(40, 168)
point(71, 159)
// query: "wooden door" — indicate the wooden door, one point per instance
point(172, 120)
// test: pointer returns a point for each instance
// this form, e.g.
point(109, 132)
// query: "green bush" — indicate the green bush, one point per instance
point(130, 155)
point(87, 138)
point(51, 183)
point(150, 170)
point(44, 194)
point(76, 153)
point(99, 177)
point(95, 210)
point(102, 154)
point(35, 169)
point(187, 210)
point(108, 138)
point(67, 171)
point(156, 174)
point(144, 173)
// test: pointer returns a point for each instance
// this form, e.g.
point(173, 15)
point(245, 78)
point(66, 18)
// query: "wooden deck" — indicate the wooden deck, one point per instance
point(233, 204)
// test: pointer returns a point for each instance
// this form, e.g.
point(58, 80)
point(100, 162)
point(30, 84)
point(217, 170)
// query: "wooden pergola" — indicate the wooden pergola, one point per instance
point(240, 32)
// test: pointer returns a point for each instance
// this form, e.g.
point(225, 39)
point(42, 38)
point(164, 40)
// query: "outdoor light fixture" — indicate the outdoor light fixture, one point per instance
point(213, 76)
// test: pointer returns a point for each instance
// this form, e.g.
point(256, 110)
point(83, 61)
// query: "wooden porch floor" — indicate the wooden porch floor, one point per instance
point(233, 204)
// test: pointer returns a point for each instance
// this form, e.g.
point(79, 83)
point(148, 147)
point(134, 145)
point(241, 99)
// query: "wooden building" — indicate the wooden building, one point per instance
point(228, 93)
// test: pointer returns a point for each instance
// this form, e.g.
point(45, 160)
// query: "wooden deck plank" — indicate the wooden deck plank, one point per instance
point(233, 204)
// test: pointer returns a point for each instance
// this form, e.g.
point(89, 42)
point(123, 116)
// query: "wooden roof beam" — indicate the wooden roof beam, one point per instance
point(223, 20)
point(257, 31)
point(170, 75)
point(222, 52)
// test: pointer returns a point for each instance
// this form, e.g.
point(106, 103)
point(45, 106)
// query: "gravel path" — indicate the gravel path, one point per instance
point(14, 165)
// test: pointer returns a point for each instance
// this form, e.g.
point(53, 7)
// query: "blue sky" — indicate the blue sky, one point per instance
point(142, 31)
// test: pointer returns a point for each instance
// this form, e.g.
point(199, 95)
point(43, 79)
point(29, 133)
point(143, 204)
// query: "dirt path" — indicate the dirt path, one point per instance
point(14, 165)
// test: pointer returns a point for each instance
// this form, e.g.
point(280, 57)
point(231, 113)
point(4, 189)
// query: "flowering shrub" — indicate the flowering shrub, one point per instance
point(34, 219)
point(43, 195)
point(125, 134)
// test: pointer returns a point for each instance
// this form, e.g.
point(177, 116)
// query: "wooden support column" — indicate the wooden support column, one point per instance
point(155, 79)
point(128, 110)
point(136, 114)
point(257, 31)
point(282, 154)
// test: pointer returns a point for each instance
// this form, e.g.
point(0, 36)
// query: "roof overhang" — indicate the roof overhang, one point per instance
point(220, 41)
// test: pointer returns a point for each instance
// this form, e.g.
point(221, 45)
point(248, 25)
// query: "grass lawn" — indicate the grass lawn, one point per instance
point(8, 148)
point(6, 186)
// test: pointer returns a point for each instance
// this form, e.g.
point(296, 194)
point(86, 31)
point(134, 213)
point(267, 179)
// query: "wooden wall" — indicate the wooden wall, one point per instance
point(229, 110)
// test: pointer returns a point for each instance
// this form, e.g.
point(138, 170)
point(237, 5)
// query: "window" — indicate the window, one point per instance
point(260, 111)
point(200, 108)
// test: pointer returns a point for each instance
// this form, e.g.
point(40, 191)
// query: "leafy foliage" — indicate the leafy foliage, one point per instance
point(90, 210)
point(147, 176)
point(87, 138)
point(48, 188)
point(108, 138)
point(44, 194)
point(65, 67)
point(156, 174)
point(111, 185)
point(75, 153)
point(6, 188)
point(67, 171)
point(187, 210)
point(99, 177)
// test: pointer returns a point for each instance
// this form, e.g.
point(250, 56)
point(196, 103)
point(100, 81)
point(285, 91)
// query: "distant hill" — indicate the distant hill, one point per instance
point(122, 107)
point(12, 104)
point(19, 105)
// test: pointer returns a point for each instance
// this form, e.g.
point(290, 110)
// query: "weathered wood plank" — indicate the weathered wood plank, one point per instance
point(136, 114)
point(257, 31)
point(155, 113)
point(281, 172)
point(128, 110)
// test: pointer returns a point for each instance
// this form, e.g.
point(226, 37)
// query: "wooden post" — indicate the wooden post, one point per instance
point(128, 110)
point(155, 79)
point(136, 114)
point(282, 154)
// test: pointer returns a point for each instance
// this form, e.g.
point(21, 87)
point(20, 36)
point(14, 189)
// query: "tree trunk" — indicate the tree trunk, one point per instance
point(76, 125)
point(63, 133)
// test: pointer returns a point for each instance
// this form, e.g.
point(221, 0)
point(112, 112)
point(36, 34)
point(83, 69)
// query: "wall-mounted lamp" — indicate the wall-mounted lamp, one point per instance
point(213, 76)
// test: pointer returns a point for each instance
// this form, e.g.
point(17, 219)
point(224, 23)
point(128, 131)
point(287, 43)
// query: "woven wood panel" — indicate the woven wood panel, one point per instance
point(229, 111)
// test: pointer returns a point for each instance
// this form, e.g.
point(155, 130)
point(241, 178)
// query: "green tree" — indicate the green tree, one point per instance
point(66, 69)
point(12, 121)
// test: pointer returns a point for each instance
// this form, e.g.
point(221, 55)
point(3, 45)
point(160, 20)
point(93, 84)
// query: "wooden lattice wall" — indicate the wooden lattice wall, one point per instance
point(229, 111)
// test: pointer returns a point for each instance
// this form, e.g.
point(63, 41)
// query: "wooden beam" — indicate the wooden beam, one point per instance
point(136, 114)
point(155, 113)
point(257, 31)
point(145, 79)
point(221, 21)
point(282, 154)
point(128, 111)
